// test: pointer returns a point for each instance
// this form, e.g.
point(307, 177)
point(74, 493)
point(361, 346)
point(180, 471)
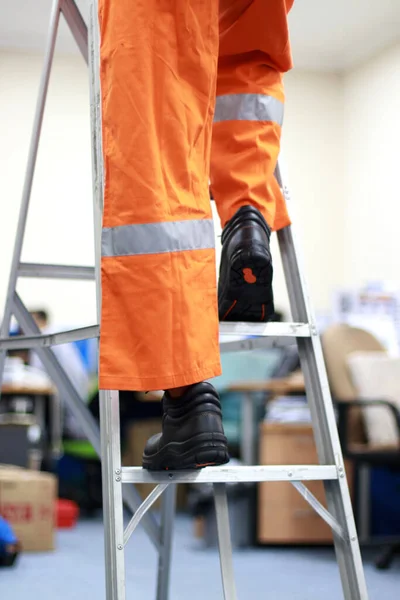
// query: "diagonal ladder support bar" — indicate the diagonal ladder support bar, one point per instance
point(77, 26)
point(58, 375)
point(143, 508)
point(79, 409)
point(319, 508)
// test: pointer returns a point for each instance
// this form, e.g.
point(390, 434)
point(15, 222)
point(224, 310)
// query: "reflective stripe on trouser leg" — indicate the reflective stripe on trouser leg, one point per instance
point(159, 324)
point(156, 238)
point(249, 109)
point(246, 141)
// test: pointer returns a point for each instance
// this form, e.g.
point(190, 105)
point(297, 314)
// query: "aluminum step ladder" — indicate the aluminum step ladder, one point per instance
point(119, 482)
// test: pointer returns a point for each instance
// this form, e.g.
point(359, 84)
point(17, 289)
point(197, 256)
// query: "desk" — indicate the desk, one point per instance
point(18, 390)
point(294, 384)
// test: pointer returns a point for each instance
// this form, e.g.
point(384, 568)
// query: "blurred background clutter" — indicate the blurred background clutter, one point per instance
point(340, 149)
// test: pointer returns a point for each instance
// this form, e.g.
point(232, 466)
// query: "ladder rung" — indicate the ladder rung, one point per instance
point(24, 342)
point(268, 330)
point(232, 474)
point(274, 330)
point(56, 271)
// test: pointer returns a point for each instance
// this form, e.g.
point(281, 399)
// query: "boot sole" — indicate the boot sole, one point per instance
point(247, 294)
point(203, 450)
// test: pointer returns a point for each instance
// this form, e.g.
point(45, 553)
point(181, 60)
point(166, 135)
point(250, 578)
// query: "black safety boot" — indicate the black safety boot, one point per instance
point(192, 433)
point(245, 277)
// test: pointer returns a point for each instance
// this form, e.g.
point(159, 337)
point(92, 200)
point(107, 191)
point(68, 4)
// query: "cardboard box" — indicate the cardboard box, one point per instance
point(27, 501)
point(284, 516)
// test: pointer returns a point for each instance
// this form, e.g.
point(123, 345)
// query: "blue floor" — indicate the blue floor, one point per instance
point(75, 571)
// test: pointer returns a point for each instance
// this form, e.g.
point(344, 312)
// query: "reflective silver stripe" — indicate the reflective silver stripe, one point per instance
point(155, 238)
point(248, 107)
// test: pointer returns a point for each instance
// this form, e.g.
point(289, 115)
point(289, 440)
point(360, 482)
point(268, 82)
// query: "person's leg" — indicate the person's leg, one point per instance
point(159, 325)
point(159, 321)
point(254, 52)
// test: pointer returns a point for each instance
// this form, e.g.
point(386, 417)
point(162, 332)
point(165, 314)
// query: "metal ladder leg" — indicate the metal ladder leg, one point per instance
point(324, 422)
point(30, 170)
point(112, 495)
point(97, 153)
point(167, 524)
point(224, 541)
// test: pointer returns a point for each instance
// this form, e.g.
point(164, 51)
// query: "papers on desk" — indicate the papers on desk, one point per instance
point(288, 409)
point(16, 373)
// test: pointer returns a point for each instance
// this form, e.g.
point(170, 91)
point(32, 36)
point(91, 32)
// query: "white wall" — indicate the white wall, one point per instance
point(312, 149)
point(60, 220)
point(60, 226)
point(372, 158)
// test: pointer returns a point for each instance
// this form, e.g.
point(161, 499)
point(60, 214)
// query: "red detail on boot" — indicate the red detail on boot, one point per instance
point(248, 275)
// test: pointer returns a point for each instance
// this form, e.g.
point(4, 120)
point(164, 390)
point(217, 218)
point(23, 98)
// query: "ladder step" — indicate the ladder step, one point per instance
point(56, 271)
point(232, 474)
point(24, 342)
point(265, 331)
point(275, 330)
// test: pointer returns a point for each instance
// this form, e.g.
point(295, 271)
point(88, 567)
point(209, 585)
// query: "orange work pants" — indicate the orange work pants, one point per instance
point(191, 91)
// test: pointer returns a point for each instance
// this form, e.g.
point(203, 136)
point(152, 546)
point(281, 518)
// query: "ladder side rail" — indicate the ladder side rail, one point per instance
point(114, 553)
point(96, 142)
point(112, 495)
point(323, 418)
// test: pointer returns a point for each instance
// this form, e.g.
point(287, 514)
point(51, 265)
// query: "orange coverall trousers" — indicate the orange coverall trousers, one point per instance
point(191, 92)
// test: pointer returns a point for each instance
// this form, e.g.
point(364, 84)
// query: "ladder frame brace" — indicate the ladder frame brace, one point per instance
point(298, 485)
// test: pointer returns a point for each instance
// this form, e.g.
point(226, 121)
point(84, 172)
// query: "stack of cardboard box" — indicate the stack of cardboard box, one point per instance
point(28, 502)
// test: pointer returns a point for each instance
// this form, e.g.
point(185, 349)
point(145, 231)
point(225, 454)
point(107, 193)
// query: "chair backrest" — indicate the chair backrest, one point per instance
point(289, 361)
point(338, 342)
